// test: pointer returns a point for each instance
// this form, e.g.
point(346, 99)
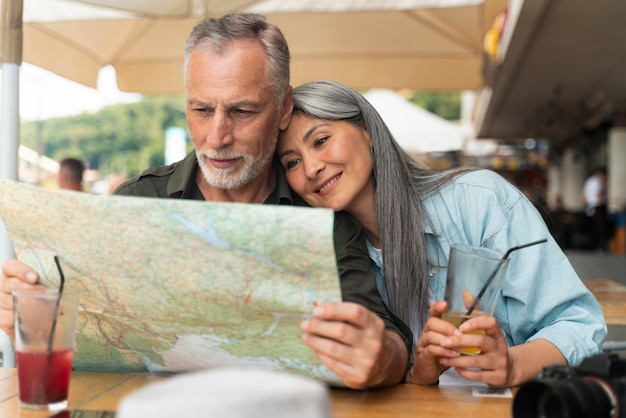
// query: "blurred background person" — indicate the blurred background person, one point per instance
point(71, 172)
point(595, 196)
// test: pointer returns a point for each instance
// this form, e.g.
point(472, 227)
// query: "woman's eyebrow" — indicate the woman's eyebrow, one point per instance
point(312, 129)
point(307, 135)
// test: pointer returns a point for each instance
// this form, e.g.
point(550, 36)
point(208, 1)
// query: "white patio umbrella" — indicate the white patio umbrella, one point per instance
point(414, 128)
point(420, 44)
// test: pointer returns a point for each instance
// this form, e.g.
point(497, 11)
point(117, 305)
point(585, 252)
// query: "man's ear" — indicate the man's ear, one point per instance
point(287, 110)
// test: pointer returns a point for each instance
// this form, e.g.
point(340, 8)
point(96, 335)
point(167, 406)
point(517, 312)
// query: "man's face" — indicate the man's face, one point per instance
point(233, 113)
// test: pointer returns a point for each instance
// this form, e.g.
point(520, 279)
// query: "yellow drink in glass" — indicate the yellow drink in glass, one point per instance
point(456, 319)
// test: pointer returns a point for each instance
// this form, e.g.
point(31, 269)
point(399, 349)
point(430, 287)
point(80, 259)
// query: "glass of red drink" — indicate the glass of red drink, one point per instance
point(45, 329)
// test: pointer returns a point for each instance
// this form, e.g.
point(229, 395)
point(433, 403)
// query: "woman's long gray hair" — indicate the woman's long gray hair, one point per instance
point(401, 184)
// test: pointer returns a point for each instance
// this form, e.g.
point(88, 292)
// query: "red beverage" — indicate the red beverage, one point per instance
point(44, 378)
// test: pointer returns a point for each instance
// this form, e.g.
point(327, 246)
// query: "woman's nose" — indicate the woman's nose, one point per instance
point(313, 168)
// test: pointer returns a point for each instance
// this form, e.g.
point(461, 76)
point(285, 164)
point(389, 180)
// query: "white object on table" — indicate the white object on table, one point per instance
point(230, 392)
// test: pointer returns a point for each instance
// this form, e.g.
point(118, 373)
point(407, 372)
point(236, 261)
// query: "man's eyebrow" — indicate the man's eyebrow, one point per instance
point(245, 103)
point(195, 102)
point(234, 105)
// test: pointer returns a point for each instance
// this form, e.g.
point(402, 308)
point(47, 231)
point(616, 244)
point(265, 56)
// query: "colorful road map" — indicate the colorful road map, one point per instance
point(171, 286)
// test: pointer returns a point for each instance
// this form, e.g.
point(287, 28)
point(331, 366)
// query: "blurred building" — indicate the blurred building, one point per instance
point(35, 168)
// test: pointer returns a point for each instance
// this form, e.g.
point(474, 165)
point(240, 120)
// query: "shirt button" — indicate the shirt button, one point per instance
point(432, 272)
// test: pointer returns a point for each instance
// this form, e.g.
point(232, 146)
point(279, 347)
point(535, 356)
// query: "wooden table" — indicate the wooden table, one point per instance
point(612, 299)
point(103, 391)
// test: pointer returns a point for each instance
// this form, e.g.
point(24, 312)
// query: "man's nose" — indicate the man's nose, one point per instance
point(220, 132)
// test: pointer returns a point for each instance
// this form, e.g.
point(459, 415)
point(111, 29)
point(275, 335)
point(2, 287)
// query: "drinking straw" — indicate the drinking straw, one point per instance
point(495, 271)
point(56, 306)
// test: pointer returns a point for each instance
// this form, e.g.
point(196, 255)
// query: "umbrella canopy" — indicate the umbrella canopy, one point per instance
point(420, 44)
point(415, 129)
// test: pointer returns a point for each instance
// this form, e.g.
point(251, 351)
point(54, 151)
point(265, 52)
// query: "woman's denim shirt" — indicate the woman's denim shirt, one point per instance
point(542, 296)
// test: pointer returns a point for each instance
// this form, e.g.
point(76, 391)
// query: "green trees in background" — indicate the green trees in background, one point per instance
point(128, 138)
point(446, 105)
point(124, 138)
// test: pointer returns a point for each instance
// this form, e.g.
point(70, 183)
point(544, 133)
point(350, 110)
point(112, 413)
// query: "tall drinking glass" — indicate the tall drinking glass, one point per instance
point(469, 270)
point(45, 329)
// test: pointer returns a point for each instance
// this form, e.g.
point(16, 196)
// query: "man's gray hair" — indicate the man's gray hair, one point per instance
point(219, 33)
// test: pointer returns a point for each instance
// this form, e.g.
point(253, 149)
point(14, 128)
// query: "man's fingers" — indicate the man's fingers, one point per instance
point(351, 365)
point(329, 347)
point(9, 285)
point(14, 268)
point(15, 276)
point(352, 313)
point(343, 332)
point(353, 377)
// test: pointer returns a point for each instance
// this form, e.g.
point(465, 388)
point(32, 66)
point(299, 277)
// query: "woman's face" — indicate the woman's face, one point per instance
point(328, 163)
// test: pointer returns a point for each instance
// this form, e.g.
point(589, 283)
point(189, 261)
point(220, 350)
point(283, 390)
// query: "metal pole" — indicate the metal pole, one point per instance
point(11, 54)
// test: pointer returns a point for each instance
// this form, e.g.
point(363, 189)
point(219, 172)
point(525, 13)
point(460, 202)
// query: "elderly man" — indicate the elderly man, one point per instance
point(238, 98)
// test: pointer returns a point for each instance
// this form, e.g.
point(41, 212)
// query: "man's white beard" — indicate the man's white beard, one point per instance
point(228, 178)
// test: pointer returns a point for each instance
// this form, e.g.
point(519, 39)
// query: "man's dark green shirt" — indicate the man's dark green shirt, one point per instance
point(357, 282)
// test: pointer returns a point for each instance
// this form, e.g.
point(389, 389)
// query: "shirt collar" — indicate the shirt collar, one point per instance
point(182, 182)
point(282, 194)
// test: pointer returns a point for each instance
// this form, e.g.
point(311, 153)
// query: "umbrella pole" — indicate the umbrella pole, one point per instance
point(9, 141)
point(11, 35)
point(9, 122)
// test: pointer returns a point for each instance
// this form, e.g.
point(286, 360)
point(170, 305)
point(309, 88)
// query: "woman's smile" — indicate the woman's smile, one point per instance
point(329, 185)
